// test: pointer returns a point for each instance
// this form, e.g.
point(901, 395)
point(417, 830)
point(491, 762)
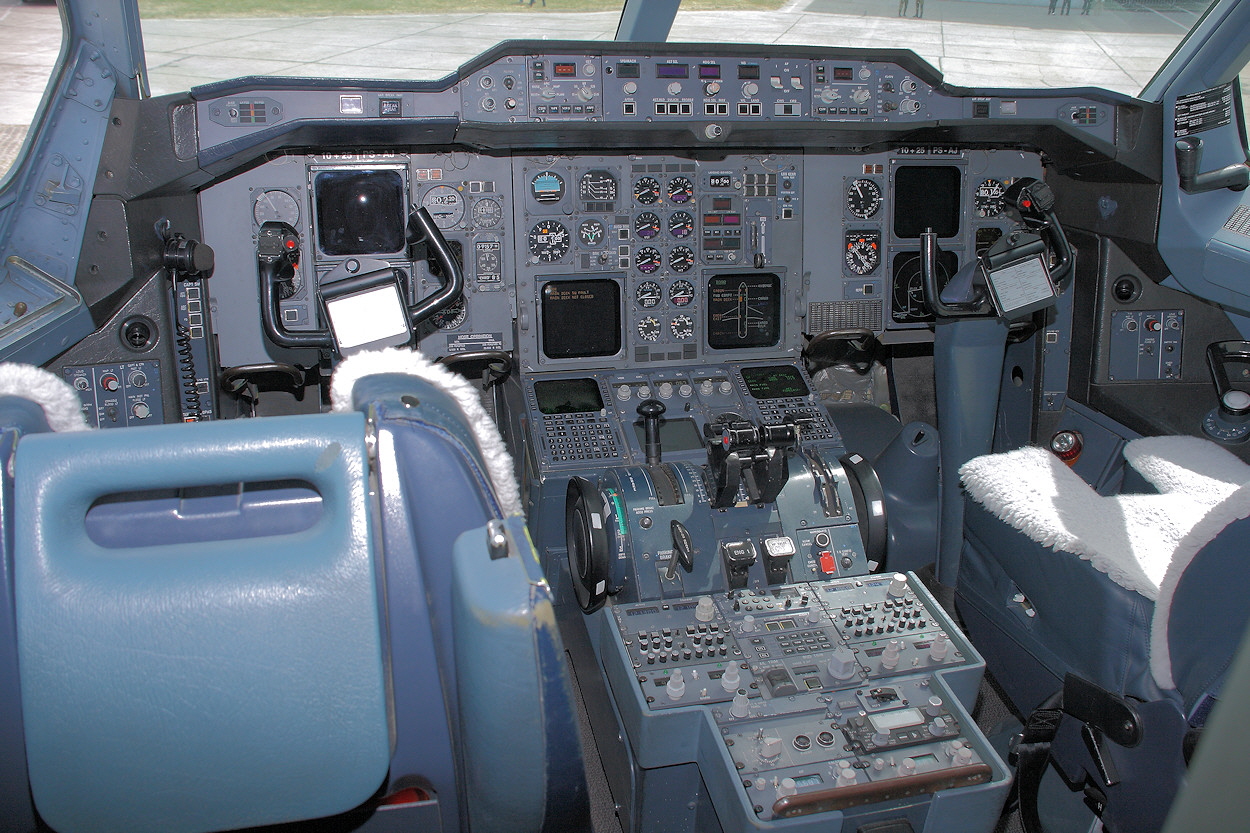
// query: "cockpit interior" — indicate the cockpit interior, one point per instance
point(627, 435)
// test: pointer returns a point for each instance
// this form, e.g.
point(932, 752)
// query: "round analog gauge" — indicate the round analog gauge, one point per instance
point(988, 199)
point(648, 294)
point(681, 293)
point(680, 189)
point(680, 224)
point(682, 327)
point(547, 187)
point(445, 205)
point(649, 328)
point(647, 190)
point(681, 258)
point(648, 259)
point(488, 262)
point(863, 251)
point(863, 198)
point(597, 186)
point(647, 225)
point(276, 207)
point(450, 318)
point(487, 213)
point(549, 241)
point(591, 232)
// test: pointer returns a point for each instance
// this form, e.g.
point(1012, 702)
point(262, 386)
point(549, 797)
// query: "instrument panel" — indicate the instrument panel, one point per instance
point(601, 260)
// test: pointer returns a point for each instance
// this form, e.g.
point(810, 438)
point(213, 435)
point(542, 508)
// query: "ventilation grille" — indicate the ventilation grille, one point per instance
point(842, 315)
point(1240, 221)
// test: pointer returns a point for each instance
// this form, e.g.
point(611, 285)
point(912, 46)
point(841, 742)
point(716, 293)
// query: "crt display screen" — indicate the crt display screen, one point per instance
point(743, 310)
point(568, 396)
point(779, 382)
point(360, 212)
point(581, 318)
point(926, 197)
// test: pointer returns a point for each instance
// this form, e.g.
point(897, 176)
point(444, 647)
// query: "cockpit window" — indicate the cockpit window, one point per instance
point(31, 33)
point(1244, 83)
point(1115, 44)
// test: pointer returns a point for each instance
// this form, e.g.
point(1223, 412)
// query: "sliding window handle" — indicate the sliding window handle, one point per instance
point(1189, 159)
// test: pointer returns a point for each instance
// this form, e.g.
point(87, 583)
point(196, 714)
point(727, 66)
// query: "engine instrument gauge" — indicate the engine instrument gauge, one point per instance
point(647, 190)
point(680, 189)
point(445, 204)
point(487, 213)
point(450, 318)
point(681, 293)
point(276, 207)
point(988, 200)
point(648, 259)
point(649, 328)
point(549, 240)
point(647, 225)
point(547, 187)
point(597, 186)
point(648, 294)
point(591, 232)
point(681, 258)
point(680, 224)
point(863, 251)
point(863, 198)
point(682, 327)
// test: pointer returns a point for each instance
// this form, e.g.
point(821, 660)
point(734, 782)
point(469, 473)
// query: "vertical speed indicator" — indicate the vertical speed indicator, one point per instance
point(863, 251)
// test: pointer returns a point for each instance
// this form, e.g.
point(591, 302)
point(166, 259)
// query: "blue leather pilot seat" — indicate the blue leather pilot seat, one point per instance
point(266, 621)
point(1141, 594)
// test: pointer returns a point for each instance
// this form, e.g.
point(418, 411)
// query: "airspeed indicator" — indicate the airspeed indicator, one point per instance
point(863, 198)
point(988, 200)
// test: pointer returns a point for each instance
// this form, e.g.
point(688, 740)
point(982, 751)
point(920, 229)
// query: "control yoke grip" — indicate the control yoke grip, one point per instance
point(976, 305)
point(421, 227)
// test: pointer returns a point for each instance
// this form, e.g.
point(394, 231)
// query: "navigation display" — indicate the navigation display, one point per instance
point(777, 382)
point(926, 197)
point(360, 212)
point(581, 318)
point(568, 396)
point(743, 310)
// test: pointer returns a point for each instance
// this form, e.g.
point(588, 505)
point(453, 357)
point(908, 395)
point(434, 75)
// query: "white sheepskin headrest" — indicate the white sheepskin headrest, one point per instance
point(61, 405)
point(1189, 466)
point(393, 360)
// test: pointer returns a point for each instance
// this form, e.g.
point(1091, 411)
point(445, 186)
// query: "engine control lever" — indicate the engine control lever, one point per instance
point(683, 550)
point(651, 410)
